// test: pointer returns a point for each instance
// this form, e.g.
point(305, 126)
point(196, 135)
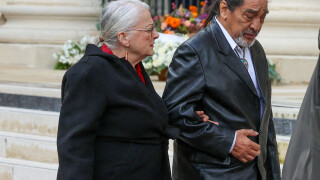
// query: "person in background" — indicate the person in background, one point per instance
point(303, 155)
point(223, 70)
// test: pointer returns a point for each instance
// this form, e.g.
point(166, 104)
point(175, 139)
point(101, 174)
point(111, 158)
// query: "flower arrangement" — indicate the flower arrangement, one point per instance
point(182, 20)
point(70, 53)
point(160, 60)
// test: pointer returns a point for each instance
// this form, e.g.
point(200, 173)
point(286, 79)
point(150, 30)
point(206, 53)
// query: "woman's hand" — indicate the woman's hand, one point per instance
point(205, 118)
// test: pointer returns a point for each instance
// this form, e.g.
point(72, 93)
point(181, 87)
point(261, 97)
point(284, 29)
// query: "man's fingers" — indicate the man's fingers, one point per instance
point(243, 160)
point(255, 146)
point(254, 153)
point(249, 157)
point(249, 132)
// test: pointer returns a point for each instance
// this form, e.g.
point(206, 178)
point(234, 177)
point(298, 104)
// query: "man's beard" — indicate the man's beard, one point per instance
point(242, 43)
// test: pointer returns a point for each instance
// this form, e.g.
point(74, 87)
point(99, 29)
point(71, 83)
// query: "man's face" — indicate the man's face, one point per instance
point(245, 22)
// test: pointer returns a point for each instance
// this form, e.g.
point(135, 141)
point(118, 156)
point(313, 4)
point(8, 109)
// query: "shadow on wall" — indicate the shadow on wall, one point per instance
point(2, 19)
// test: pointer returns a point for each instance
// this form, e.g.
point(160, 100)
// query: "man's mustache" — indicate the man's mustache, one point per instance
point(251, 32)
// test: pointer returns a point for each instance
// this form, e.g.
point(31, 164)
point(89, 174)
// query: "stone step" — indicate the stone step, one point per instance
point(35, 148)
point(27, 121)
point(14, 169)
point(30, 96)
point(43, 101)
point(28, 147)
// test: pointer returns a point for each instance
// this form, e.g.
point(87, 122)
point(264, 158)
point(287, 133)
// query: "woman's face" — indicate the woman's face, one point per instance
point(142, 38)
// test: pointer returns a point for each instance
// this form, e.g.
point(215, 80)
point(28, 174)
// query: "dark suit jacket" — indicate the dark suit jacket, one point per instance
point(303, 155)
point(111, 126)
point(206, 74)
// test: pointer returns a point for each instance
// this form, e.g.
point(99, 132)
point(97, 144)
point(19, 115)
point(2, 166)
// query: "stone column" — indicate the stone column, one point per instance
point(289, 37)
point(34, 29)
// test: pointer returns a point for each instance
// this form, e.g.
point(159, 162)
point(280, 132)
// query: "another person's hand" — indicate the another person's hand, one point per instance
point(244, 149)
point(205, 118)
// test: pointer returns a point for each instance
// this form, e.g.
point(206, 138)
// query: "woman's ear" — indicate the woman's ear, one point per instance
point(123, 39)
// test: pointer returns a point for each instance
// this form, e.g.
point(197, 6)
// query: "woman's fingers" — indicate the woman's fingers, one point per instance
point(205, 117)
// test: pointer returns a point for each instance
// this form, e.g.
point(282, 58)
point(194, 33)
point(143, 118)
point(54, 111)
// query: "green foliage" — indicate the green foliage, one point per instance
point(273, 75)
point(61, 66)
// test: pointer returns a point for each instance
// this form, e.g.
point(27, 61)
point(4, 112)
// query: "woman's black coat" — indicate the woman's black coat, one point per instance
point(111, 126)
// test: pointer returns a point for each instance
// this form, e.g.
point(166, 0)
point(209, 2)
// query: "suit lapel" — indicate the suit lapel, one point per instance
point(232, 61)
point(260, 71)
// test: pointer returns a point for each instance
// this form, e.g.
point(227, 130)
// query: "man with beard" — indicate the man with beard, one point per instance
point(223, 70)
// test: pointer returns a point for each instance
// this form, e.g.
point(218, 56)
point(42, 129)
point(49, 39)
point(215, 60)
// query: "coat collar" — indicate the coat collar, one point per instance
point(93, 50)
point(231, 60)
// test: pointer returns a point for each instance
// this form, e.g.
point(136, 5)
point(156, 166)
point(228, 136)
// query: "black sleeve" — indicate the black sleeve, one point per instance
point(83, 103)
point(183, 96)
point(272, 164)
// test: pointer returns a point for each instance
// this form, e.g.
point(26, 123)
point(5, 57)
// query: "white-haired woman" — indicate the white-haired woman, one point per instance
point(113, 125)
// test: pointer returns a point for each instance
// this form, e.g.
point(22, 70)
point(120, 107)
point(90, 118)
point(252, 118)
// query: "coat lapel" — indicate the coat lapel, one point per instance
point(260, 71)
point(232, 61)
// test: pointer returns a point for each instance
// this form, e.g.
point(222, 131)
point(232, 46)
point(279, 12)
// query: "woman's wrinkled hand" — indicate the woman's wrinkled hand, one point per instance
point(205, 118)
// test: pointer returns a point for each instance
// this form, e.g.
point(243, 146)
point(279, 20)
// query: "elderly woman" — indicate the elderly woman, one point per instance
point(113, 125)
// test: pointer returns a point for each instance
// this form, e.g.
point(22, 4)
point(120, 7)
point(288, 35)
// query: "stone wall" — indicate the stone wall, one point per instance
point(290, 38)
point(34, 29)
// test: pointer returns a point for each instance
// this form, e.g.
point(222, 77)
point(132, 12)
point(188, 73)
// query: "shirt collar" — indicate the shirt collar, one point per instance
point(106, 49)
point(230, 40)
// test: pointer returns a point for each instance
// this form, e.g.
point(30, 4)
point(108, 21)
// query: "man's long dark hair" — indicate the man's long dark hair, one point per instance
point(214, 9)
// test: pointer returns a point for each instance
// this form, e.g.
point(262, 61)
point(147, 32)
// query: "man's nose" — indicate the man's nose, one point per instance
point(256, 24)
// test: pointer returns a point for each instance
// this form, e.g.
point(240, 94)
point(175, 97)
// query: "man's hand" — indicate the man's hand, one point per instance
point(205, 118)
point(244, 149)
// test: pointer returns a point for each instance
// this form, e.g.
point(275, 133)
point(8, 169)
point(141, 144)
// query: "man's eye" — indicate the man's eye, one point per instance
point(249, 17)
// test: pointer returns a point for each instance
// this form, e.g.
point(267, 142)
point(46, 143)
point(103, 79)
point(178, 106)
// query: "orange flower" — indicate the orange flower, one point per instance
point(168, 32)
point(194, 14)
point(203, 21)
point(168, 19)
point(175, 22)
point(202, 3)
point(193, 8)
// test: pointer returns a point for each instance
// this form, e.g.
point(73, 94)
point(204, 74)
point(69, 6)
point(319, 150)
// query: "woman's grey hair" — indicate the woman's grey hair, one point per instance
point(118, 16)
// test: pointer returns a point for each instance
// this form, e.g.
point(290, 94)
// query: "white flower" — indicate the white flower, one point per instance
point(67, 45)
point(74, 51)
point(66, 53)
point(84, 40)
point(55, 55)
point(156, 62)
point(163, 53)
point(147, 65)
